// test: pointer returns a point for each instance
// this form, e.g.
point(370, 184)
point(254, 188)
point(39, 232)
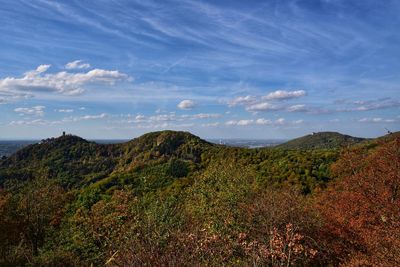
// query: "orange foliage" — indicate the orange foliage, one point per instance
point(362, 210)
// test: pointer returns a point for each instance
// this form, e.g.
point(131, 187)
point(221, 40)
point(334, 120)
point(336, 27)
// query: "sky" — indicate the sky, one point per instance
point(115, 69)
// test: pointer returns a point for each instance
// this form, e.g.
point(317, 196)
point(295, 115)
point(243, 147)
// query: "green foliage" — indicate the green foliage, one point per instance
point(32, 215)
point(322, 140)
point(177, 168)
point(214, 197)
point(164, 197)
point(68, 159)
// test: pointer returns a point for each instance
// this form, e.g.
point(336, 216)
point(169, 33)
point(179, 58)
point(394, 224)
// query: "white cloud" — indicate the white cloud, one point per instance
point(269, 102)
point(283, 95)
point(164, 125)
point(40, 69)
point(186, 104)
point(32, 122)
point(242, 100)
point(84, 118)
point(203, 116)
point(65, 110)
point(64, 120)
point(244, 122)
point(280, 121)
point(35, 111)
point(373, 105)
point(297, 108)
point(6, 96)
point(260, 121)
point(212, 124)
point(366, 105)
point(263, 106)
point(93, 117)
point(231, 122)
point(140, 118)
point(376, 120)
point(263, 121)
point(77, 64)
point(169, 117)
point(163, 117)
point(61, 82)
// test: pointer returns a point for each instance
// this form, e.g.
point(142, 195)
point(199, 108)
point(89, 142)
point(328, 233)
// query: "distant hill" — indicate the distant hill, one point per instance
point(74, 160)
point(68, 158)
point(321, 140)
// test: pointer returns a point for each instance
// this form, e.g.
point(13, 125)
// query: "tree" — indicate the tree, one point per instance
point(362, 210)
point(29, 215)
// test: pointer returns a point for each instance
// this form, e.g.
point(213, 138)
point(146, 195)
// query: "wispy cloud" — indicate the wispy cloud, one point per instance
point(262, 121)
point(269, 102)
point(30, 122)
point(35, 111)
point(377, 120)
point(226, 58)
point(64, 110)
point(85, 118)
point(168, 117)
point(366, 105)
point(77, 64)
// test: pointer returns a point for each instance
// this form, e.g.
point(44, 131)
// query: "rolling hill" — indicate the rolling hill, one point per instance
point(176, 196)
point(76, 161)
point(322, 140)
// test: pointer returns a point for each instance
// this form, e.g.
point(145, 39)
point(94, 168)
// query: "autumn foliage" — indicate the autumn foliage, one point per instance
point(361, 210)
point(229, 207)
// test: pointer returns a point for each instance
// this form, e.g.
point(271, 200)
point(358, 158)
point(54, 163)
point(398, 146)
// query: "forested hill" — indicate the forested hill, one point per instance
point(171, 198)
point(322, 140)
point(75, 161)
point(159, 160)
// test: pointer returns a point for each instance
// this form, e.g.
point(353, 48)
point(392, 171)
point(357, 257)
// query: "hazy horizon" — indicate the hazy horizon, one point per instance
point(226, 69)
point(202, 137)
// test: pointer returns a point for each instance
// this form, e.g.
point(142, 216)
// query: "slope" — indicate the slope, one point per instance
point(321, 140)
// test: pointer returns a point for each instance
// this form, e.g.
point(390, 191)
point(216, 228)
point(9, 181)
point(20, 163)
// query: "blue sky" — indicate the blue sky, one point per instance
point(219, 69)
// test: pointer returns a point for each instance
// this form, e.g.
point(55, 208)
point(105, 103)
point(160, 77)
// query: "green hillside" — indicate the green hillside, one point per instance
point(75, 161)
point(160, 156)
point(171, 198)
point(68, 158)
point(322, 140)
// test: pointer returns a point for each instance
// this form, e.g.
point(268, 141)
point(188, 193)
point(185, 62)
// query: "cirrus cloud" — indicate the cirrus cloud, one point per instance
point(35, 111)
point(270, 102)
point(64, 110)
point(77, 64)
point(376, 120)
point(261, 121)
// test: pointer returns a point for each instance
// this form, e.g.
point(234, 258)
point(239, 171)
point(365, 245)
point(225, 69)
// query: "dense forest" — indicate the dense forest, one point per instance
point(172, 199)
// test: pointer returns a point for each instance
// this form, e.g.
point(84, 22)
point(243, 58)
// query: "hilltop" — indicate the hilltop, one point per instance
point(176, 196)
point(76, 161)
point(68, 158)
point(165, 155)
point(322, 140)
